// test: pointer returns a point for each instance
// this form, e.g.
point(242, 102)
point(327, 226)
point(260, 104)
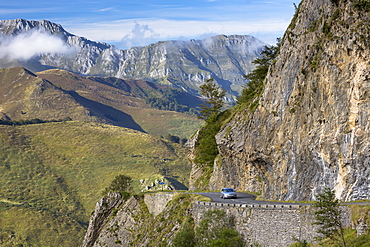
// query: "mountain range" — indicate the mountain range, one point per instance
point(181, 64)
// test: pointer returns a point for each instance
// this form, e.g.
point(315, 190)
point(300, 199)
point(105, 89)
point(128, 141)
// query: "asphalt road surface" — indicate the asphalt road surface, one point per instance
point(243, 198)
point(247, 198)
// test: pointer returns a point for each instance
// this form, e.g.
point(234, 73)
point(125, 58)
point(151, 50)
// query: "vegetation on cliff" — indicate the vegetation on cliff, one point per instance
point(252, 92)
point(206, 147)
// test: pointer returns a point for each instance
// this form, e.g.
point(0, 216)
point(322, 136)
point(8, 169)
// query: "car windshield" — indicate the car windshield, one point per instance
point(228, 190)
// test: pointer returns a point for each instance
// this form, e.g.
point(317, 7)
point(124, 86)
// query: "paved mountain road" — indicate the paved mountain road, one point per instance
point(243, 198)
point(247, 198)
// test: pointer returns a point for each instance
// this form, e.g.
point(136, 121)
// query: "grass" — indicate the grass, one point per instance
point(53, 174)
point(129, 96)
point(158, 122)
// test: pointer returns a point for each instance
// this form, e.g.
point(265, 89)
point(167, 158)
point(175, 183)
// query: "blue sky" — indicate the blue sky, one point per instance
point(129, 23)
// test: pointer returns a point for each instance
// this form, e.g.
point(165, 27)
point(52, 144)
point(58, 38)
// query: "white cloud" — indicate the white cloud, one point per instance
point(30, 44)
point(146, 31)
point(140, 35)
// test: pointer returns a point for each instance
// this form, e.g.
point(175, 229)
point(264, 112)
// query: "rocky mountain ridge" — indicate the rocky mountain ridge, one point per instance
point(311, 128)
point(181, 64)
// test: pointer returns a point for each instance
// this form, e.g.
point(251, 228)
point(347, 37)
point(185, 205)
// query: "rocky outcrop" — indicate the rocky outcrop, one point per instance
point(98, 219)
point(311, 128)
point(182, 64)
point(135, 221)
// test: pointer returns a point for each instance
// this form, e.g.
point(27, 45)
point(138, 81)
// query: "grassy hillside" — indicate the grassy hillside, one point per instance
point(58, 94)
point(129, 97)
point(53, 173)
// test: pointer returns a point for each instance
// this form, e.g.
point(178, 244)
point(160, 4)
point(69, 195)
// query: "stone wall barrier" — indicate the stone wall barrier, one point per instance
point(272, 225)
point(269, 206)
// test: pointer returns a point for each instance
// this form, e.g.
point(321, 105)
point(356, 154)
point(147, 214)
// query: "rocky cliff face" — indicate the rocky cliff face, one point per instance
point(148, 220)
point(182, 64)
point(311, 128)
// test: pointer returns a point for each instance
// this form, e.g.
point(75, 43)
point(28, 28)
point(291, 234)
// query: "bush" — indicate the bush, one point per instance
point(120, 183)
point(186, 236)
point(206, 147)
point(217, 229)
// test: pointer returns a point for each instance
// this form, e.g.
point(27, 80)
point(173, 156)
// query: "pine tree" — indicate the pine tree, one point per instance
point(214, 102)
point(329, 217)
point(253, 90)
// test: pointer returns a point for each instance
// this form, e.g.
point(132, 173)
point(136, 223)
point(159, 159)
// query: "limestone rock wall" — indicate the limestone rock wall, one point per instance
point(311, 128)
point(98, 220)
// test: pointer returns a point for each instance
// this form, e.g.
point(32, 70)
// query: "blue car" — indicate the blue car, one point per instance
point(228, 193)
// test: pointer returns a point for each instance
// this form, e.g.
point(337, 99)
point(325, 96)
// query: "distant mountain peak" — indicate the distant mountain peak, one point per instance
point(16, 26)
point(181, 64)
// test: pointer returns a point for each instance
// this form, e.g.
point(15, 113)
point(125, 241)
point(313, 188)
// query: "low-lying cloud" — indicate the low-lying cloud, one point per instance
point(29, 44)
point(140, 35)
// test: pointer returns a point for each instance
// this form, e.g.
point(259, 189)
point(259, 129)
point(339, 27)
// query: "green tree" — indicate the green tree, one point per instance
point(217, 229)
point(253, 90)
point(328, 216)
point(206, 147)
point(119, 183)
point(214, 103)
point(186, 236)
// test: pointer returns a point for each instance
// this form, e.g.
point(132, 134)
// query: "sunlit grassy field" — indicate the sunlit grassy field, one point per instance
point(52, 175)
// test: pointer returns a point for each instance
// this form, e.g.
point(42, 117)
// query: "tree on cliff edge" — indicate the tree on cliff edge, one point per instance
point(329, 217)
point(121, 183)
point(214, 103)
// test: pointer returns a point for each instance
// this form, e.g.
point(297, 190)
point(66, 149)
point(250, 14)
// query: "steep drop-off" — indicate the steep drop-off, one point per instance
point(311, 128)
